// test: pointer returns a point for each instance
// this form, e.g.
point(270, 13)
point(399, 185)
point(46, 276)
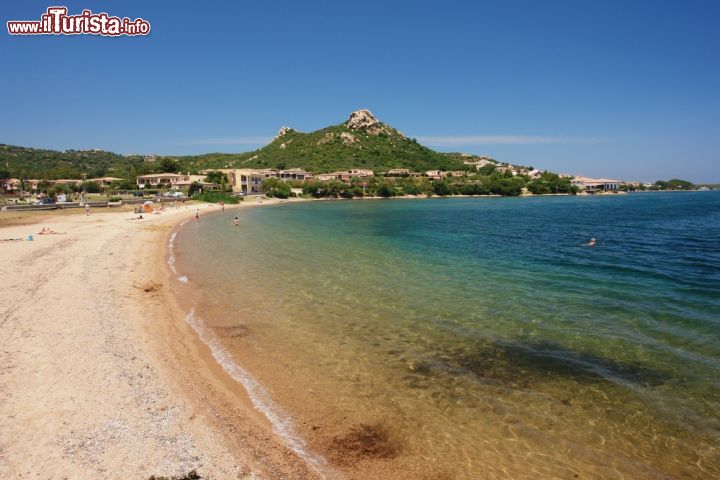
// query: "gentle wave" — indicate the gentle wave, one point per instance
point(281, 422)
point(171, 255)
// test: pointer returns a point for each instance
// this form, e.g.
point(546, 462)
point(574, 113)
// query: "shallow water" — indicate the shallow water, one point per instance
point(480, 337)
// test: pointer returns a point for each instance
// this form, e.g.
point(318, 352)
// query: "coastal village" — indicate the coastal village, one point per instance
point(362, 139)
point(246, 181)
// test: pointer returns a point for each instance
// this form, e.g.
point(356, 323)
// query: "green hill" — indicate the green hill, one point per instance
point(24, 162)
point(361, 142)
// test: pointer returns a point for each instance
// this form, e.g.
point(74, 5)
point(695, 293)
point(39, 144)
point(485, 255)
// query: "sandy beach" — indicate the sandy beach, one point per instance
point(100, 377)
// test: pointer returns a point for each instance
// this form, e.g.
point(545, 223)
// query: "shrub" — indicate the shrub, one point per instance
point(195, 187)
point(442, 188)
point(90, 187)
point(276, 188)
point(217, 197)
point(385, 191)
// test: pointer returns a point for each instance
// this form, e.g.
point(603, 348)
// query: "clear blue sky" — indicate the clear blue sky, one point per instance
point(623, 89)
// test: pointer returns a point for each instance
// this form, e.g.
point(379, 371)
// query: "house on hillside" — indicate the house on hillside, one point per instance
point(346, 175)
point(190, 179)
point(332, 176)
point(535, 173)
point(11, 185)
point(479, 162)
point(160, 180)
point(361, 172)
point(104, 182)
point(71, 182)
point(294, 174)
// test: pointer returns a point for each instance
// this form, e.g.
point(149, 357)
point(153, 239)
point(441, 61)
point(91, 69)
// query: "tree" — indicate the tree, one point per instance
point(43, 186)
point(90, 187)
point(510, 186)
point(195, 187)
point(675, 184)
point(474, 188)
point(442, 188)
point(168, 165)
point(385, 191)
point(123, 184)
point(58, 189)
point(217, 177)
point(274, 187)
point(487, 169)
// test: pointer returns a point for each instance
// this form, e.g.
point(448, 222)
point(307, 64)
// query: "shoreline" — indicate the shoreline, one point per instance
point(103, 371)
point(96, 377)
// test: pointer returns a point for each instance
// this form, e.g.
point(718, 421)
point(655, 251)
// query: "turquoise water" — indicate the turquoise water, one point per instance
point(480, 336)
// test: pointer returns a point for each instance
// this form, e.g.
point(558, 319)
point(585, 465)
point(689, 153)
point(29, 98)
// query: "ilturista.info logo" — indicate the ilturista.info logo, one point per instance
point(56, 21)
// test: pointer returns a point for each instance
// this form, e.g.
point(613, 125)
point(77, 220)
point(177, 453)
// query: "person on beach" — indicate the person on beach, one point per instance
point(237, 222)
point(197, 214)
point(87, 209)
point(222, 206)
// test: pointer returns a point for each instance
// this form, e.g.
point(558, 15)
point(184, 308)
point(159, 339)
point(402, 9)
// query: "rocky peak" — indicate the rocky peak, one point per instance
point(361, 119)
point(366, 121)
point(283, 131)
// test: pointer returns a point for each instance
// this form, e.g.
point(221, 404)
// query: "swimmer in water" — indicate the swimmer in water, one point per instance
point(591, 243)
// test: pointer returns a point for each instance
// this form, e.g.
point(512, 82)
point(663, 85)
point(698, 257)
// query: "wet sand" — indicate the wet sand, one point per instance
point(100, 375)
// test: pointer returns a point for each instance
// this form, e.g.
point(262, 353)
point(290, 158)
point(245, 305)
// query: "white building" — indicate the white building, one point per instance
point(591, 185)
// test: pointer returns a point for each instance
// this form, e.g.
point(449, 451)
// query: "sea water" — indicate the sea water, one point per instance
point(477, 337)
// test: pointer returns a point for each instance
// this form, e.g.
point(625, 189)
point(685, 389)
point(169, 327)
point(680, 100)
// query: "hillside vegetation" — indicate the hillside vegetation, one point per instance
point(360, 142)
point(24, 162)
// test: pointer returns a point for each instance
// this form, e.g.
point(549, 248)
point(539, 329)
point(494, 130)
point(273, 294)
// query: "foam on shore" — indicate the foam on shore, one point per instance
point(281, 422)
point(171, 254)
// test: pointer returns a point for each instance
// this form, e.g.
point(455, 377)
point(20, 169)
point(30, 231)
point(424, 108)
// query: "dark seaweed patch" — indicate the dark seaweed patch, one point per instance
point(364, 442)
point(520, 363)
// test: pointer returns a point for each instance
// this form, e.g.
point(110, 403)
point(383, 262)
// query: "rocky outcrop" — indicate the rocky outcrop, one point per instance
point(328, 138)
point(348, 138)
point(364, 120)
point(283, 131)
point(345, 137)
point(360, 119)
